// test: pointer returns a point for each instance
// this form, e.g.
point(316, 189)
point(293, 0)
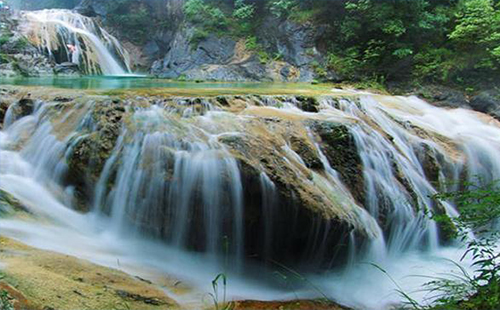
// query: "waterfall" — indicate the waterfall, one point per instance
point(175, 183)
point(70, 37)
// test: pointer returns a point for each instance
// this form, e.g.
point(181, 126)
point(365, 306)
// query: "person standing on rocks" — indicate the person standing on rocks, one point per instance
point(72, 51)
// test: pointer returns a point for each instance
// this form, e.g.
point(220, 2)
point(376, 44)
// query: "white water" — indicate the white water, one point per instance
point(96, 51)
point(409, 248)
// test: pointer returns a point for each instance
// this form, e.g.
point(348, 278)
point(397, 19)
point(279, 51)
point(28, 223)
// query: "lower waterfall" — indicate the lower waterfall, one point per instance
point(70, 37)
point(176, 195)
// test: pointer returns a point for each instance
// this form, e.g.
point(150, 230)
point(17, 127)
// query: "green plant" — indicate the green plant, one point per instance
point(243, 11)
point(208, 16)
point(251, 43)
point(264, 57)
point(218, 303)
point(199, 35)
point(5, 301)
point(301, 278)
point(479, 207)
point(4, 58)
point(4, 38)
point(282, 8)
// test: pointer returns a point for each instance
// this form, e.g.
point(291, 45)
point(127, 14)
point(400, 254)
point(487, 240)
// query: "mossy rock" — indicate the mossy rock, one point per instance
point(340, 149)
point(9, 204)
point(90, 153)
point(308, 104)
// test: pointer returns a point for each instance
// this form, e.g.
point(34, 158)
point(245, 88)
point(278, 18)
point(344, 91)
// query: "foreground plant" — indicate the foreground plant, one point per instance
point(477, 226)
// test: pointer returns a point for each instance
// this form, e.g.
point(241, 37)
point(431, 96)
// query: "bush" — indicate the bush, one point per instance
point(198, 36)
point(243, 11)
point(206, 15)
point(4, 38)
point(479, 208)
point(282, 8)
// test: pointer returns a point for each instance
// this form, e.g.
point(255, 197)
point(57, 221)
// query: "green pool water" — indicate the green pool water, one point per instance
point(115, 83)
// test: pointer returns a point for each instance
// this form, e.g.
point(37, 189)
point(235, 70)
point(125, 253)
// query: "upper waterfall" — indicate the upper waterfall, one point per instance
point(68, 36)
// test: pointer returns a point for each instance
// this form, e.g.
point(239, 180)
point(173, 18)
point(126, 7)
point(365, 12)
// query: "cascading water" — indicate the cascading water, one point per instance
point(174, 173)
point(70, 37)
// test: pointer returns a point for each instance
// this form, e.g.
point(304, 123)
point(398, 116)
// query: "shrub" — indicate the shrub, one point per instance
point(243, 11)
point(282, 8)
point(479, 208)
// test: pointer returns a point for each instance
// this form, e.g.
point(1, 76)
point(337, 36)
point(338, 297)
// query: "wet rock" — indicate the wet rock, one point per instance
point(67, 68)
point(308, 154)
point(442, 96)
point(91, 152)
point(487, 102)
point(136, 297)
point(300, 213)
point(4, 106)
point(290, 305)
point(9, 204)
point(308, 104)
point(341, 151)
point(21, 108)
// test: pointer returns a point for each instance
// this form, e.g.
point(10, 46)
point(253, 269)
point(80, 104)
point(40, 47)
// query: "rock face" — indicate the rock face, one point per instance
point(67, 68)
point(487, 102)
point(20, 58)
point(444, 96)
point(223, 59)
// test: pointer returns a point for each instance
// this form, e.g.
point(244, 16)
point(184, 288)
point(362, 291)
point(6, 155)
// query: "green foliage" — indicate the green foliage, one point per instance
point(435, 64)
point(132, 18)
point(4, 38)
point(479, 208)
point(5, 301)
point(282, 8)
point(21, 43)
point(477, 31)
point(251, 43)
point(198, 36)
point(208, 16)
point(220, 304)
point(243, 11)
point(477, 23)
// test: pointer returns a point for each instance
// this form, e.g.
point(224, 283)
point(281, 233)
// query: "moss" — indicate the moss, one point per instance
point(4, 58)
point(341, 151)
point(306, 152)
point(199, 35)
point(308, 104)
point(9, 204)
point(90, 154)
point(447, 228)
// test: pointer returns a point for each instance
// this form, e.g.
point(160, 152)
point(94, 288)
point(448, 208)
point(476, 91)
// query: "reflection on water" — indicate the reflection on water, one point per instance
point(137, 82)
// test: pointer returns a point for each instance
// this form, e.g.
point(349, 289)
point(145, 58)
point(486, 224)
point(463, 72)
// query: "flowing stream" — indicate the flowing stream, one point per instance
point(169, 167)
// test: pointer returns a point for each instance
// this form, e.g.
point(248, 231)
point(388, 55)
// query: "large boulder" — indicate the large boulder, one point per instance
point(443, 96)
point(487, 102)
point(90, 151)
point(67, 68)
point(185, 55)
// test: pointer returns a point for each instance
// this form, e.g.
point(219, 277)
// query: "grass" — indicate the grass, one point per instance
point(220, 304)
